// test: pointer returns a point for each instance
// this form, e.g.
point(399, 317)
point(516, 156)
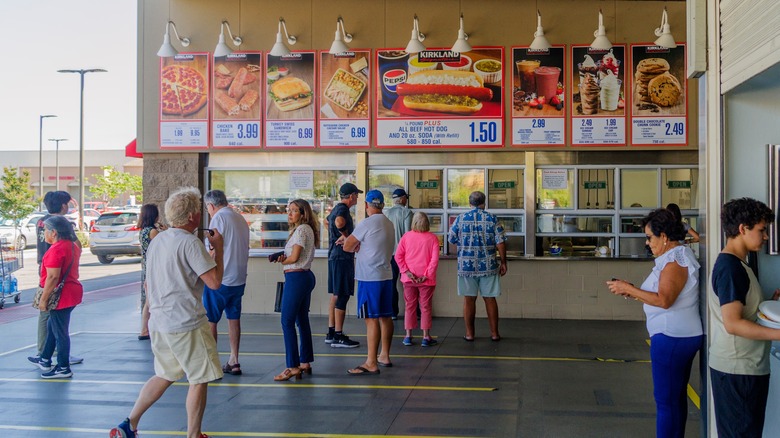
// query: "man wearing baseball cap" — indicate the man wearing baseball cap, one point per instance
point(341, 267)
point(373, 240)
point(401, 217)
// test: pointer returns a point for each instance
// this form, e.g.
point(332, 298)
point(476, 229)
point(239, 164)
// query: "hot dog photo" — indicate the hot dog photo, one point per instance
point(440, 83)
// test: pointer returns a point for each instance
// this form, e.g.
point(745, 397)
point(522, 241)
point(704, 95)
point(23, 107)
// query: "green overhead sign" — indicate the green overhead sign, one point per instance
point(678, 184)
point(426, 185)
point(595, 185)
point(503, 184)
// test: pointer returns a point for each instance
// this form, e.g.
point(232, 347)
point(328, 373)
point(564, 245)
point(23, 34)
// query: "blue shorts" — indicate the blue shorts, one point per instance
point(341, 277)
point(375, 299)
point(488, 287)
point(225, 299)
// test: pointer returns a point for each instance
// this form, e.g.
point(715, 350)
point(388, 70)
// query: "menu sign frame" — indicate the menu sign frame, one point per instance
point(419, 117)
point(237, 104)
point(597, 89)
point(184, 101)
point(538, 100)
point(659, 95)
point(345, 99)
point(290, 118)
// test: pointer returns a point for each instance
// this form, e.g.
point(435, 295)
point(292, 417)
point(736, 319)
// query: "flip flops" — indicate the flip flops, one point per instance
point(385, 364)
point(361, 371)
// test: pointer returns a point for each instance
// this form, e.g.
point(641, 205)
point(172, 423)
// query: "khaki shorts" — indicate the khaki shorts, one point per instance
point(488, 287)
point(192, 353)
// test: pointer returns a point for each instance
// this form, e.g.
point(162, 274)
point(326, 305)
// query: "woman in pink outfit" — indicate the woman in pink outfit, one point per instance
point(418, 258)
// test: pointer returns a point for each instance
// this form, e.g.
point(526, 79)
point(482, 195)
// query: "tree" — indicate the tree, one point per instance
point(17, 200)
point(113, 183)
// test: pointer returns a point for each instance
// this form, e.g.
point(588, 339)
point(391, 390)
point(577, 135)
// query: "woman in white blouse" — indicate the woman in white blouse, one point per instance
point(299, 282)
point(671, 302)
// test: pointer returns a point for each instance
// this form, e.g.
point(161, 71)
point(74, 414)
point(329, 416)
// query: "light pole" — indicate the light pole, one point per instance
point(40, 160)
point(82, 72)
point(57, 158)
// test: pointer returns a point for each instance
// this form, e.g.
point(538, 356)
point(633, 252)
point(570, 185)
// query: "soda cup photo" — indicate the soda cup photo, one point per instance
point(393, 68)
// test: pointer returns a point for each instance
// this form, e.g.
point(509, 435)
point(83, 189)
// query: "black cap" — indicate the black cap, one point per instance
point(348, 189)
point(397, 193)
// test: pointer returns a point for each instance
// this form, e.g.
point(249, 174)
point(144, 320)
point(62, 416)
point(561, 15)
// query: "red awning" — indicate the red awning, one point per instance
point(131, 152)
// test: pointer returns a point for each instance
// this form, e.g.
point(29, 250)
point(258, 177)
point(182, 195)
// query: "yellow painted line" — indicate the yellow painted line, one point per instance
point(691, 392)
point(450, 356)
point(265, 385)
point(210, 433)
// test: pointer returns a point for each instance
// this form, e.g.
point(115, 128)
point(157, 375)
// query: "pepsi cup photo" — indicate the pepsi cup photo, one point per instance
point(393, 65)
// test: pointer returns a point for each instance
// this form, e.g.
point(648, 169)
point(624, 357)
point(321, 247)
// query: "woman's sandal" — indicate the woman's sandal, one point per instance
point(306, 370)
point(288, 374)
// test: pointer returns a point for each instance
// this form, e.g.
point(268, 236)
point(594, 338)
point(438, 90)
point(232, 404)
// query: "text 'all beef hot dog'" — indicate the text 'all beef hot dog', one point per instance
point(459, 92)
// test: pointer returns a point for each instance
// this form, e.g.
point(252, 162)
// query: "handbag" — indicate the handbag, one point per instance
point(54, 297)
point(279, 293)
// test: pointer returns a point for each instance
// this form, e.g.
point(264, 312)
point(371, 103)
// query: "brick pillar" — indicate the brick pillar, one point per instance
point(164, 173)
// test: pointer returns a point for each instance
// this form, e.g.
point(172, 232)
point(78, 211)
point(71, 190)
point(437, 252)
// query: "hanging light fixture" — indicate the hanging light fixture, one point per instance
point(167, 50)
point(341, 36)
point(601, 42)
point(279, 49)
point(664, 34)
point(461, 45)
point(223, 49)
point(540, 41)
point(415, 42)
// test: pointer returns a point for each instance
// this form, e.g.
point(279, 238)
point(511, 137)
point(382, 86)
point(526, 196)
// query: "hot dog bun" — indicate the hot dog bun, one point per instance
point(450, 91)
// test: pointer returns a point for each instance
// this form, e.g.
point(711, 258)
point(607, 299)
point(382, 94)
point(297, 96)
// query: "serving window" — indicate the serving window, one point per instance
point(502, 185)
point(262, 196)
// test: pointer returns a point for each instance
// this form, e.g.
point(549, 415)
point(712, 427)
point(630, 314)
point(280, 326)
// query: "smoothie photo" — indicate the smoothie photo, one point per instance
point(547, 79)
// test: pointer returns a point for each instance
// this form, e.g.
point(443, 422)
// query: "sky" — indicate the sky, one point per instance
point(43, 36)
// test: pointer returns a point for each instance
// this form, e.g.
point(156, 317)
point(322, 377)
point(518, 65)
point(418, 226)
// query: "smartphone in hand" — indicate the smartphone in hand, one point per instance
point(273, 258)
point(208, 230)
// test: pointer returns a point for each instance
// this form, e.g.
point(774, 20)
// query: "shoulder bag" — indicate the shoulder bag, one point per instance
point(54, 297)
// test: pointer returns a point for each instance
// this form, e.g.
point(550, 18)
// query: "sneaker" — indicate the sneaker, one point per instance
point(343, 341)
point(57, 373)
point(44, 365)
point(408, 341)
point(123, 430)
point(429, 342)
point(75, 360)
point(329, 338)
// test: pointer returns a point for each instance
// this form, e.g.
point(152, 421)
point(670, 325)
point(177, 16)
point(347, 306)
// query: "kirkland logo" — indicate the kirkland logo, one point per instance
point(657, 49)
point(184, 57)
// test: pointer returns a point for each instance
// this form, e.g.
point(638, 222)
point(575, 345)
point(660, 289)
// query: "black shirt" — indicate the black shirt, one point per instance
point(41, 244)
point(336, 252)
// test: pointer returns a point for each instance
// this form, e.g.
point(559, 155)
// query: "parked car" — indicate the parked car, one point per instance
point(90, 216)
point(115, 234)
point(100, 206)
point(22, 236)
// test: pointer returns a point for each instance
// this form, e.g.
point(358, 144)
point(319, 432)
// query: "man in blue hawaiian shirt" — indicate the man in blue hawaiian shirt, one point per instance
point(479, 237)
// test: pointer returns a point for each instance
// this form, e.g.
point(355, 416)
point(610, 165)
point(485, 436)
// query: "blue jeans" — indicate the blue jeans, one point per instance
point(58, 336)
point(672, 359)
point(295, 310)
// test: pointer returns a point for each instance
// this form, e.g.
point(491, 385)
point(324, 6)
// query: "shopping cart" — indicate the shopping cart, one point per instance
point(11, 260)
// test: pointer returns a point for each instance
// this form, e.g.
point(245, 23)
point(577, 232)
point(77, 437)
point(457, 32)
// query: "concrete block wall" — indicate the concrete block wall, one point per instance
point(533, 288)
point(164, 173)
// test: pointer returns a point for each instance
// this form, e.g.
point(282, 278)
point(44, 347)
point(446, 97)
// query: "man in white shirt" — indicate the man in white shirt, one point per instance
point(227, 298)
point(177, 267)
point(373, 240)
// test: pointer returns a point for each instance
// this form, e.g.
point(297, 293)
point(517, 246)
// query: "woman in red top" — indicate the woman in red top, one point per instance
point(61, 258)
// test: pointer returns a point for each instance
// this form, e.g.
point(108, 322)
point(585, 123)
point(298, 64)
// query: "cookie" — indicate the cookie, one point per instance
point(644, 78)
point(653, 66)
point(664, 90)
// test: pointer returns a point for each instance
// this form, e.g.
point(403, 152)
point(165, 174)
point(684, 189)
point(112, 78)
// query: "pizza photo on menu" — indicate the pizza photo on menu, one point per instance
point(183, 91)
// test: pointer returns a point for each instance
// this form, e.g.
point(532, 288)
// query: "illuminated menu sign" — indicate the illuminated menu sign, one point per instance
point(538, 96)
point(344, 99)
point(659, 98)
point(290, 100)
point(236, 100)
point(440, 98)
point(184, 96)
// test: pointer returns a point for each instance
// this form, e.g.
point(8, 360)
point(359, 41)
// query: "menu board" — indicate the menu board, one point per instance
point(538, 98)
point(290, 100)
point(344, 99)
point(184, 96)
point(598, 96)
point(236, 104)
point(440, 98)
point(659, 98)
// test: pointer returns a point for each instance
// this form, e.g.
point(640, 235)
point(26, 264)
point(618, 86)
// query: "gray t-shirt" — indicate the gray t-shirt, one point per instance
point(175, 261)
point(377, 239)
point(401, 217)
point(235, 233)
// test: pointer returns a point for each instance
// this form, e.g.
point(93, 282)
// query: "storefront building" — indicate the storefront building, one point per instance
point(558, 191)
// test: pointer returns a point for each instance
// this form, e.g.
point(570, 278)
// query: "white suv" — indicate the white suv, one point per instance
point(114, 234)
